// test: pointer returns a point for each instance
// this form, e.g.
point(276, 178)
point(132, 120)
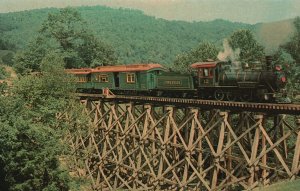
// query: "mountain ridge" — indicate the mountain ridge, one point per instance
point(136, 37)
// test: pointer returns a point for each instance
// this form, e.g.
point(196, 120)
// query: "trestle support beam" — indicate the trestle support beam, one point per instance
point(146, 147)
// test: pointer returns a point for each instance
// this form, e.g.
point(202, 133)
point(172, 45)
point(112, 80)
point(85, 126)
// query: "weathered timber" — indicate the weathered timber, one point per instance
point(146, 146)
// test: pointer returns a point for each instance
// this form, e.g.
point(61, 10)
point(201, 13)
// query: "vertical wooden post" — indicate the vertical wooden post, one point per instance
point(254, 149)
point(119, 152)
point(282, 133)
point(200, 155)
point(296, 158)
point(152, 134)
point(166, 133)
point(89, 105)
point(96, 113)
point(228, 160)
point(224, 115)
point(264, 158)
point(151, 150)
point(101, 125)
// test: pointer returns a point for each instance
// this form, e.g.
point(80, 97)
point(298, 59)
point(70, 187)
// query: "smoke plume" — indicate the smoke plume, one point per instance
point(228, 54)
point(272, 35)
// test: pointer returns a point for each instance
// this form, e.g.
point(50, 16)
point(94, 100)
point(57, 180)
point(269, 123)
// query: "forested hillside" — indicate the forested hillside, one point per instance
point(40, 113)
point(135, 36)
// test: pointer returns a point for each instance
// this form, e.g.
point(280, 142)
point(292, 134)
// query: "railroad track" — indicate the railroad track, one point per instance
point(270, 108)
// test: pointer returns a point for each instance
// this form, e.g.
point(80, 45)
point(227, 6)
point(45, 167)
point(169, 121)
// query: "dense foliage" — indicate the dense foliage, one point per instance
point(65, 32)
point(3, 73)
point(8, 58)
point(204, 51)
point(6, 26)
point(6, 45)
point(293, 46)
point(241, 46)
point(288, 54)
point(250, 49)
point(30, 138)
point(135, 36)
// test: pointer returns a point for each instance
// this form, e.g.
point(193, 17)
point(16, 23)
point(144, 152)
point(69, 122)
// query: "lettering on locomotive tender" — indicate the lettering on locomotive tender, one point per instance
point(172, 82)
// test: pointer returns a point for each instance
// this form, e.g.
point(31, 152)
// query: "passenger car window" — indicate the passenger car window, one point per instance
point(205, 72)
point(103, 78)
point(130, 78)
point(82, 79)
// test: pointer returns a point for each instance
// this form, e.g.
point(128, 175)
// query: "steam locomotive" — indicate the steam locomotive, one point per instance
point(209, 80)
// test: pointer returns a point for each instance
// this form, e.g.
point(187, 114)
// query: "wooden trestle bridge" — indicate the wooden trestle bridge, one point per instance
point(152, 143)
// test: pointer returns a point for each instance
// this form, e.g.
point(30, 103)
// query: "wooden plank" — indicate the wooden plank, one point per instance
point(190, 156)
point(296, 158)
point(275, 150)
point(253, 156)
point(219, 149)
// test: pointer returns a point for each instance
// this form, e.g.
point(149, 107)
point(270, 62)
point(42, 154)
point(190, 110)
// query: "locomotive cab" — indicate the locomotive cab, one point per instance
point(207, 73)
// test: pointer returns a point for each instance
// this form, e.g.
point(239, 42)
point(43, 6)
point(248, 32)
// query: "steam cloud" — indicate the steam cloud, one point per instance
point(272, 35)
point(229, 54)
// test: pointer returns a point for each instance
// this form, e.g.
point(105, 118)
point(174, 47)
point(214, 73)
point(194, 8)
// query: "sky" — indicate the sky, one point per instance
point(247, 11)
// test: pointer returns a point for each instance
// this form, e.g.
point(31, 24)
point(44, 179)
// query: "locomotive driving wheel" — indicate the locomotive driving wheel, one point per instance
point(231, 96)
point(246, 97)
point(219, 95)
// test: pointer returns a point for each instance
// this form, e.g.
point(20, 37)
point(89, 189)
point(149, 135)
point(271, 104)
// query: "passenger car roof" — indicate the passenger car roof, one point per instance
point(117, 68)
point(204, 64)
point(128, 68)
point(79, 71)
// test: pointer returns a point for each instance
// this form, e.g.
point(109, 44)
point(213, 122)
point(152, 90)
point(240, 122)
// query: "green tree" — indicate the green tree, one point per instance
point(66, 33)
point(8, 59)
point(292, 49)
point(293, 45)
point(202, 52)
point(52, 87)
point(6, 45)
point(30, 59)
point(82, 48)
point(3, 73)
point(30, 139)
point(285, 60)
point(29, 156)
point(250, 49)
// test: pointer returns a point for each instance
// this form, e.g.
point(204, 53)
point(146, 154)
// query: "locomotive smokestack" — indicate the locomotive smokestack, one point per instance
point(269, 60)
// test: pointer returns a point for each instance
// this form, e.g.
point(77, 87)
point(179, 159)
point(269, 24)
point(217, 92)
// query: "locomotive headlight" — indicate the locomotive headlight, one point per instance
point(283, 79)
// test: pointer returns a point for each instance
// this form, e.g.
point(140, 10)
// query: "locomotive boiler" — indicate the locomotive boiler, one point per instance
point(226, 81)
